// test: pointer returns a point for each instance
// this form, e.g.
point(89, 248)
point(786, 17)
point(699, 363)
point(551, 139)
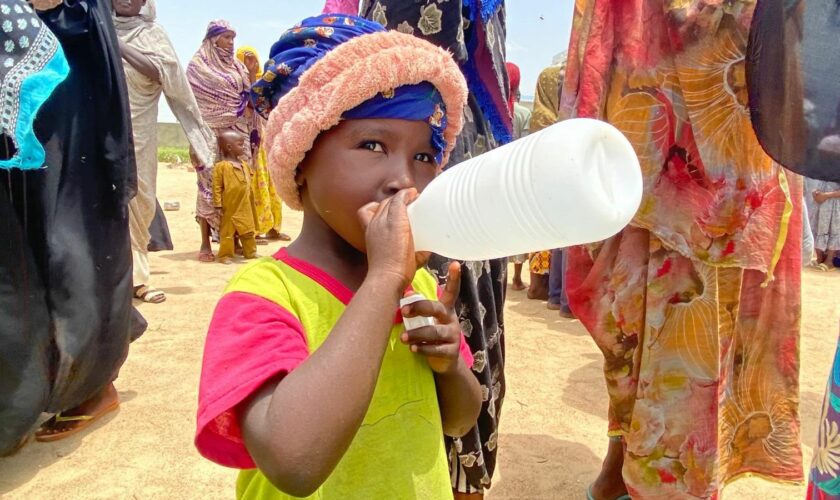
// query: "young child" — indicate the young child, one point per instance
point(232, 195)
point(827, 214)
point(310, 383)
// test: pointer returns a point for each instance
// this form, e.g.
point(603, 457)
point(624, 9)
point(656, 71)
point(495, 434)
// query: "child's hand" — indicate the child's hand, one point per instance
point(441, 344)
point(820, 197)
point(388, 242)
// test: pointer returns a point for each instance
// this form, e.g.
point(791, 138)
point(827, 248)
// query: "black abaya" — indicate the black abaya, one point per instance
point(65, 257)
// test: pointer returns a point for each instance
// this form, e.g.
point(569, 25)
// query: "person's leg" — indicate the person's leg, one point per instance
point(610, 482)
point(558, 300)
point(237, 244)
point(555, 280)
point(830, 258)
point(205, 253)
point(226, 245)
point(71, 421)
point(249, 245)
point(516, 282)
point(821, 256)
point(540, 264)
point(141, 276)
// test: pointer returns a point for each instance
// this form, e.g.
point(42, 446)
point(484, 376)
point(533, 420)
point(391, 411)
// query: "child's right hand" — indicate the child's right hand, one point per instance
point(388, 241)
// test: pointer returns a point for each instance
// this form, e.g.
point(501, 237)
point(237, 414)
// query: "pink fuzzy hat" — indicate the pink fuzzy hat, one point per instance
point(346, 77)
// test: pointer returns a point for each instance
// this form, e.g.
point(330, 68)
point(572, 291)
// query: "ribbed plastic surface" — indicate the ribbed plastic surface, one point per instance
point(576, 182)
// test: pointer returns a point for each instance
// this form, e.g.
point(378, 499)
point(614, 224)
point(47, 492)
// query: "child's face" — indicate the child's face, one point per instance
point(361, 161)
point(233, 145)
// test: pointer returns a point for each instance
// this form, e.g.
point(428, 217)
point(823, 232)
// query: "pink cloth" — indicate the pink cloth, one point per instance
point(350, 7)
point(250, 341)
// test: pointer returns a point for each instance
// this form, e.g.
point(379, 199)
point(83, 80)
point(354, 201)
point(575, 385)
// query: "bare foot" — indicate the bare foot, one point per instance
point(539, 287)
point(517, 285)
point(610, 483)
point(69, 422)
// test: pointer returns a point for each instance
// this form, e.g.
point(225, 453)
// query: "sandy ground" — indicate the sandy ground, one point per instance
point(553, 423)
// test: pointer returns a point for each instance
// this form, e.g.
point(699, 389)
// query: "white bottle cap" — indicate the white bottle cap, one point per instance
point(418, 321)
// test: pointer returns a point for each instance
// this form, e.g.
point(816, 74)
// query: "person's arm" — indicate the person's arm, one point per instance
point(297, 428)
point(218, 186)
point(253, 65)
point(140, 62)
point(822, 196)
point(458, 391)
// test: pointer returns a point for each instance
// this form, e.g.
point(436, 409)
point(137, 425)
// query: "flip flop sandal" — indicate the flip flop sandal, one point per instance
point(590, 497)
point(274, 235)
point(262, 241)
point(84, 421)
point(206, 257)
point(149, 295)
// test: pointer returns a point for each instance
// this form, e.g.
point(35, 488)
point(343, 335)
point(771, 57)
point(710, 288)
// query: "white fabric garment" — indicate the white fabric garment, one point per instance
point(142, 33)
point(142, 272)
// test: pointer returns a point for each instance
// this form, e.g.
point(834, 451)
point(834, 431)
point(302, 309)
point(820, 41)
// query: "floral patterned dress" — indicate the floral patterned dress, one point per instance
point(824, 481)
point(696, 306)
point(488, 123)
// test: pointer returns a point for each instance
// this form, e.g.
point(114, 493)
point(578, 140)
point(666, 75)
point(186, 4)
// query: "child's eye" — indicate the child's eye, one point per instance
point(374, 146)
point(424, 157)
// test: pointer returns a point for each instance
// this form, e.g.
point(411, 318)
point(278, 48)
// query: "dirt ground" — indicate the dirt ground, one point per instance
point(553, 423)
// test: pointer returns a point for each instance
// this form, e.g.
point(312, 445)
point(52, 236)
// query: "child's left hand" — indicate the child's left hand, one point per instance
point(441, 343)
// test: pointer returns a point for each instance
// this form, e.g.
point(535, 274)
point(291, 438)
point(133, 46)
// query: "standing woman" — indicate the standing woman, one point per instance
point(152, 69)
point(695, 305)
point(65, 265)
point(221, 84)
point(269, 208)
point(476, 37)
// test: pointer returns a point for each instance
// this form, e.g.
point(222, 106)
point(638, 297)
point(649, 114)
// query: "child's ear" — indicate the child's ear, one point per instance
point(299, 177)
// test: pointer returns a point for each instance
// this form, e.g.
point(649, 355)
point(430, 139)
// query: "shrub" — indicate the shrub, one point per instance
point(175, 156)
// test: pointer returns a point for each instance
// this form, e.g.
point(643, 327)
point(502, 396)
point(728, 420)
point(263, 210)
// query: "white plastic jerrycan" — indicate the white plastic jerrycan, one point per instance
point(575, 182)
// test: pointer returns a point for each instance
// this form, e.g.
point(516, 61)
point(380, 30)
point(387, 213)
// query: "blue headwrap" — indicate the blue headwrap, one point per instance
point(304, 45)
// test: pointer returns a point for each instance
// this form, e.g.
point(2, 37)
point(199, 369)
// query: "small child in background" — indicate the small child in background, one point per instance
point(311, 384)
point(232, 195)
point(826, 217)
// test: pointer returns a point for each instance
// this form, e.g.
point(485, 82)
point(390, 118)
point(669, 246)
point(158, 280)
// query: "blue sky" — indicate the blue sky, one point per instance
point(537, 29)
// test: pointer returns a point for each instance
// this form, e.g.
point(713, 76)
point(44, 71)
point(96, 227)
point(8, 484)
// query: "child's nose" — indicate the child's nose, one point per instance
point(402, 177)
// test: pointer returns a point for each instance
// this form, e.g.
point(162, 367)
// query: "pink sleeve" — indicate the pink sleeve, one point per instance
point(466, 353)
point(250, 341)
point(342, 7)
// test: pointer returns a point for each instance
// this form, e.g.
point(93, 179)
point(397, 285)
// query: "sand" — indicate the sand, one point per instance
point(553, 423)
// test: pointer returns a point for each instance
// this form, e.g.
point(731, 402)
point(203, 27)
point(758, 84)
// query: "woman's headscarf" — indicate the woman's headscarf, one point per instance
point(547, 101)
point(31, 67)
point(335, 67)
point(514, 77)
point(219, 81)
point(240, 55)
